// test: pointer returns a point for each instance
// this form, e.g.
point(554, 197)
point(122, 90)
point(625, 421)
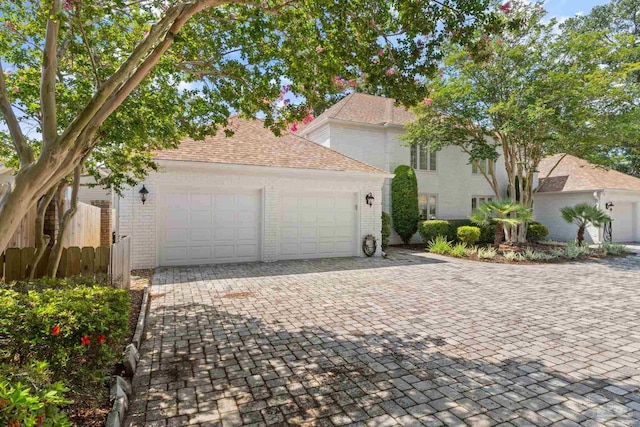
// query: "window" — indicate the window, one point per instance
point(484, 166)
point(428, 204)
point(422, 158)
point(477, 200)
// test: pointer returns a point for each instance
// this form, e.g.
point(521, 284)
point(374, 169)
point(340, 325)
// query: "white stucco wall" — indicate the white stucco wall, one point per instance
point(453, 182)
point(140, 221)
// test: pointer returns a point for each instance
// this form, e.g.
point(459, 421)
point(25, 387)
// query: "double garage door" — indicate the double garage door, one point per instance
point(207, 227)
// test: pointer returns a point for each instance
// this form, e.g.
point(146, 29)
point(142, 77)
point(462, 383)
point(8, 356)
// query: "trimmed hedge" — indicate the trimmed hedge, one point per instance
point(433, 228)
point(386, 230)
point(487, 232)
point(404, 202)
point(536, 232)
point(468, 234)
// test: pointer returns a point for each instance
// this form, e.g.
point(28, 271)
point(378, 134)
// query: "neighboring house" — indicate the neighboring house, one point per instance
point(368, 128)
point(251, 197)
point(573, 181)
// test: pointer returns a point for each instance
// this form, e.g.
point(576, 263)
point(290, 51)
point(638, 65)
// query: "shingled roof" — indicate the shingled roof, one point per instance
point(253, 144)
point(575, 174)
point(363, 108)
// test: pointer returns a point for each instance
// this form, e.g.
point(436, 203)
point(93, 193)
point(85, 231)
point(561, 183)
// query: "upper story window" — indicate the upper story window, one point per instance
point(422, 158)
point(484, 166)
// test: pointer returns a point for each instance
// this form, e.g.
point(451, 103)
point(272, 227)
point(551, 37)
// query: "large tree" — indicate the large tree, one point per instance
point(530, 92)
point(87, 73)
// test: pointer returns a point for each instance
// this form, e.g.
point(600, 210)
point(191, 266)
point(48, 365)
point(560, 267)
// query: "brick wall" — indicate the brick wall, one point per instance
point(105, 220)
point(51, 222)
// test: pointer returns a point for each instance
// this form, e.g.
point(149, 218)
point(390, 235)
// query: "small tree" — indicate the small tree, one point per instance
point(582, 215)
point(502, 213)
point(404, 202)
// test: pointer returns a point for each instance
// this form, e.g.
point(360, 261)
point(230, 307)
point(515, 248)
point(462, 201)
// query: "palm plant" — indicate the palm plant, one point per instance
point(502, 213)
point(582, 215)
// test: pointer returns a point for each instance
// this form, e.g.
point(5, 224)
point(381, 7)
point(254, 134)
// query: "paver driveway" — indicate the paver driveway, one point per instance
point(410, 340)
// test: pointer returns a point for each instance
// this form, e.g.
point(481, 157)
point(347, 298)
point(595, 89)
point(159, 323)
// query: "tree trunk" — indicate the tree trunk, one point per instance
point(42, 240)
point(581, 234)
point(499, 235)
point(63, 221)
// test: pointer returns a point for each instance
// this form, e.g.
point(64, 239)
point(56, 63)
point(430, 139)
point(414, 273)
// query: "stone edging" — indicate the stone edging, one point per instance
point(120, 390)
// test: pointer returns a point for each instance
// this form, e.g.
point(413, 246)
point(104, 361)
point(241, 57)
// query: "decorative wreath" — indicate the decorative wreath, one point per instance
point(369, 245)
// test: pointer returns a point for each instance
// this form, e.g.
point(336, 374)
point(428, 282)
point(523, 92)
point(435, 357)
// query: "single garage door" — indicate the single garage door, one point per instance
point(205, 227)
point(317, 225)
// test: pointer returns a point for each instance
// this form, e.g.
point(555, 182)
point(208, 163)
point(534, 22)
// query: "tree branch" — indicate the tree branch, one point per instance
point(49, 72)
point(22, 147)
point(94, 67)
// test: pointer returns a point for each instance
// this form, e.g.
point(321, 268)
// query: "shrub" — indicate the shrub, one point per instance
point(459, 250)
point(454, 224)
point(613, 249)
point(468, 234)
point(386, 230)
point(29, 398)
point(487, 253)
point(532, 255)
point(404, 202)
point(473, 250)
point(487, 233)
point(430, 229)
point(440, 245)
point(514, 256)
point(536, 232)
point(49, 322)
point(574, 250)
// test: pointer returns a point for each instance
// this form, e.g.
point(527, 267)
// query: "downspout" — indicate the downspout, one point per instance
point(597, 195)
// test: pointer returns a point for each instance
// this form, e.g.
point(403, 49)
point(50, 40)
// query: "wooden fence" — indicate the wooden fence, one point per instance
point(25, 235)
point(120, 271)
point(114, 260)
point(84, 227)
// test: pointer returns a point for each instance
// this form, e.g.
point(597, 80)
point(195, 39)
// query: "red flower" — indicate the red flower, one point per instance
point(506, 8)
point(55, 331)
point(101, 339)
point(427, 101)
point(294, 128)
point(85, 340)
point(39, 420)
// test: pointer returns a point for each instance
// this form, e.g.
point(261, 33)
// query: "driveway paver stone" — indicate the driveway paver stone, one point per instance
point(414, 339)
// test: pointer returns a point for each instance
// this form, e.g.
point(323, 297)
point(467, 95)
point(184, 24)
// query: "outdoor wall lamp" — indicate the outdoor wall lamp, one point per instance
point(609, 205)
point(369, 198)
point(143, 193)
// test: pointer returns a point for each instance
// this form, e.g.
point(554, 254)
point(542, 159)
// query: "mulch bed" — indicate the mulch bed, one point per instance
point(91, 406)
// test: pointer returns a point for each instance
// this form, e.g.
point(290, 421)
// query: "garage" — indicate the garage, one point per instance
point(317, 225)
point(249, 197)
point(209, 227)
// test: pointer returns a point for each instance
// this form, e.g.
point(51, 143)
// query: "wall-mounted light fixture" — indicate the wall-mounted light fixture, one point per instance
point(143, 194)
point(609, 206)
point(369, 198)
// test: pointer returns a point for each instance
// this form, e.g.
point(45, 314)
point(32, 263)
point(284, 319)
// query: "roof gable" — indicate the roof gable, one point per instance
point(575, 174)
point(253, 144)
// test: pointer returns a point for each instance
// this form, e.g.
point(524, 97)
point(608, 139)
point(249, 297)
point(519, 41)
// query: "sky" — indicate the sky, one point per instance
point(563, 9)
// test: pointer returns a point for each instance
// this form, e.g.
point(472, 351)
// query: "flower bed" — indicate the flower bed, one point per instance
point(58, 340)
point(525, 253)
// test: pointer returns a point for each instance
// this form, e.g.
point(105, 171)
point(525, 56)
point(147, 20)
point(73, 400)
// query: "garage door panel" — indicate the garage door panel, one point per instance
point(322, 225)
point(202, 227)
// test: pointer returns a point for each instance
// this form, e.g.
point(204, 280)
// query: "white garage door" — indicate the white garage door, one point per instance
point(317, 225)
point(204, 227)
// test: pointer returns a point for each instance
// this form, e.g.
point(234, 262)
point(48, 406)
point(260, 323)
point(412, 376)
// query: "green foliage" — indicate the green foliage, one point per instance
point(29, 398)
point(574, 250)
point(514, 256)
point(30, 315)
point(386, 230)
point(614, 249)
point(532, 255)
point(459, 250)
point(487, 253)
point(582, 215)
point(430, 229)
point(468, 234)
point(440, 245)
point(404, 202)
point(454, 224)
point(501, 213)
point(536, 232)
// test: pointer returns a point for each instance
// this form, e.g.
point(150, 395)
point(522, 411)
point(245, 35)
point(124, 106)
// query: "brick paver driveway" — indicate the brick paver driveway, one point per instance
point(410, 340)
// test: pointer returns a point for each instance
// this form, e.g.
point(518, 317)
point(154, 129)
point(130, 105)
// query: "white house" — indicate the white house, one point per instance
point(567, 180)
point(251, 197)
point(368, 128)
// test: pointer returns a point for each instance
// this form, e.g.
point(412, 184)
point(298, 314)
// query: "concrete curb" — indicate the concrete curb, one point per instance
point(120, 390)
